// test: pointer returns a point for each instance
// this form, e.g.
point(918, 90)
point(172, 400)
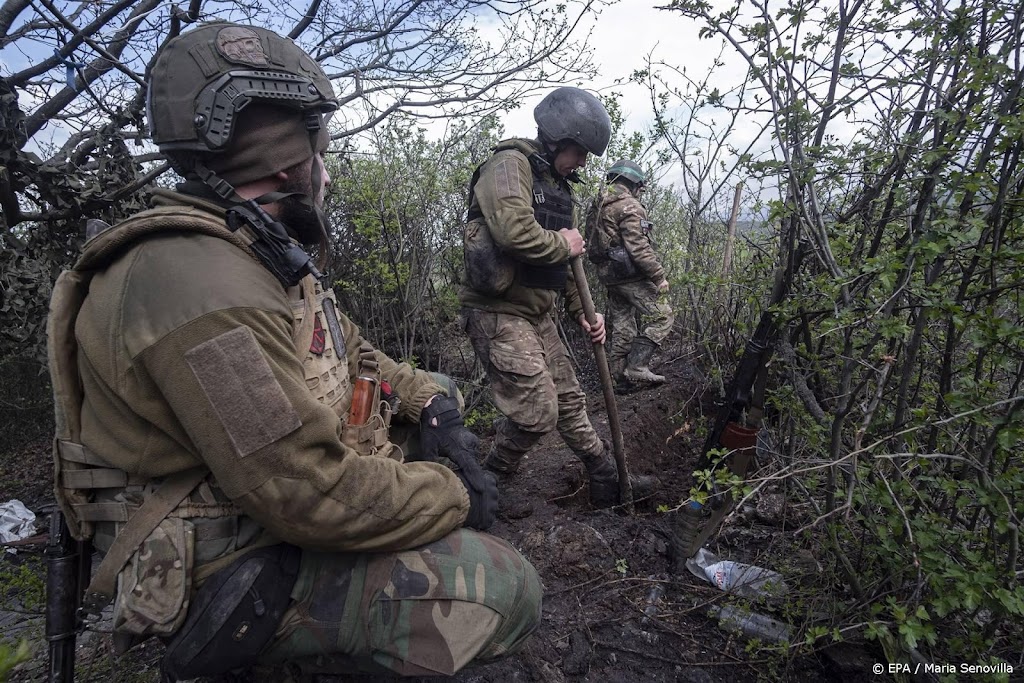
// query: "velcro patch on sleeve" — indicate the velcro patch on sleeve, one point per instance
point(241, 387)
point(506, 179)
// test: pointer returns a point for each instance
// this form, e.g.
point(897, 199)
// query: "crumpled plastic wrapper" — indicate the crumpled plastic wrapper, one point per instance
point(16, 522)
point(735, 577)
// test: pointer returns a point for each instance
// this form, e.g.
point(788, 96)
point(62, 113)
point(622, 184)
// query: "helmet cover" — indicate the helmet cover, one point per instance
point(203, 79)
point(627, 169)
point(574, 114)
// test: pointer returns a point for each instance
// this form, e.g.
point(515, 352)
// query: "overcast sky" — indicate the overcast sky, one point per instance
point(622, 37)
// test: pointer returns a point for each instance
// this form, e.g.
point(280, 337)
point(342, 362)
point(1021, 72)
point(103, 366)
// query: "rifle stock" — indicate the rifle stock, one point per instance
point(68, 563)
point(738, 419)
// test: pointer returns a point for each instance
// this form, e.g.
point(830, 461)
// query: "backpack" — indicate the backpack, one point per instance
point(597, 242)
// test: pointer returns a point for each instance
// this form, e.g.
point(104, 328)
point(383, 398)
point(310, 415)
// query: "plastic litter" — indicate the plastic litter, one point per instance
point(751, 625)
point(652, 603)
point(737, 578)
point(16, 522)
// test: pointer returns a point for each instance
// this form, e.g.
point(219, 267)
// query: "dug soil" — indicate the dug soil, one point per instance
point(612, 609)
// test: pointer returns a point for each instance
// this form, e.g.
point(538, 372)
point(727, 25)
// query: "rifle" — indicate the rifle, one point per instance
point(738, 419)
point(68, 564)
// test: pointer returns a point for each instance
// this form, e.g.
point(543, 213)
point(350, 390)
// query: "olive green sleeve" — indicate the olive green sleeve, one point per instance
point(573, 303)
point(637, 241)
point(414, 387)
point(232, 379)
point(504, 193)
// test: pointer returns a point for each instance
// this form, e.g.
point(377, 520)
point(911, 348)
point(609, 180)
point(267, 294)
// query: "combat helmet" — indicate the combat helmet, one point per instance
point(573, 114)
point(203, 79)
point(219, 97)
point(630, 170)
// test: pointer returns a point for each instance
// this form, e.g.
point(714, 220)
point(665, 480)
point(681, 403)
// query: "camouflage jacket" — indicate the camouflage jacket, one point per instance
point(623, 222)
point(186, 357)
point(503, 200)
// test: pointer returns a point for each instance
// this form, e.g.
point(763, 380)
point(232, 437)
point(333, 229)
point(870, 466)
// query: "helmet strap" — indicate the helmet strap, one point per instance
point(268, 238)
point(313, 122)
point(549, 148)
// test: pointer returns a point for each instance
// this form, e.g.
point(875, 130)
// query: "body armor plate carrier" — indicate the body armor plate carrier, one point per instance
point(552, 208)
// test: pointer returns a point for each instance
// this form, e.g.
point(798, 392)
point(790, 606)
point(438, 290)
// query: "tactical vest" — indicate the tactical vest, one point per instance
point(552, 209)
point(166, 528)
point(325, 365)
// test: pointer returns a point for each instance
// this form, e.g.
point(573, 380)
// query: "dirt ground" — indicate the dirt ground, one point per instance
point(612, 610)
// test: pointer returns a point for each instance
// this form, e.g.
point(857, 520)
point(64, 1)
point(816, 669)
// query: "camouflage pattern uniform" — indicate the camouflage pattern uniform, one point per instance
point(513, 332)
point(189, 354)
point(623, 223)
point(428, 611)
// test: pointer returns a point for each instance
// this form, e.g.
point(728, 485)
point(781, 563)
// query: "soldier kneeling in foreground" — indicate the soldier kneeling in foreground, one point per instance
point(204, 381)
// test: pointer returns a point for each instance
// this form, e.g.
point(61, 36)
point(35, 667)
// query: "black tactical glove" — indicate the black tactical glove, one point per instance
point(450, 438)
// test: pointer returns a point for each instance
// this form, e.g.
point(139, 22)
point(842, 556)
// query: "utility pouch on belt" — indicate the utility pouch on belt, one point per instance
point(234, 615)
point(369, 419)
point(622, 265)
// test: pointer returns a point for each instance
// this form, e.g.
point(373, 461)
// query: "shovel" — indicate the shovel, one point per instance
point(601, 356)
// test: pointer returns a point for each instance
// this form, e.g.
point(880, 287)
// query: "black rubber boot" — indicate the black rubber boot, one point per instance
point(604, 483)
point(604, 480)
point(637, 361)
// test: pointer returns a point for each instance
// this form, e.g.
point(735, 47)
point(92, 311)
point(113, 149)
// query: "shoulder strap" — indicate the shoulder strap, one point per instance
point(109, 244)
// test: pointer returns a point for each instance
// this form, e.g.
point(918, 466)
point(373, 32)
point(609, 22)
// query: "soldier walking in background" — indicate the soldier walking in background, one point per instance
point(208, 434)
point(521, 233)
point(628, 266)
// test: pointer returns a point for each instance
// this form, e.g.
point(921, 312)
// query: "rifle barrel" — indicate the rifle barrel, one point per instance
point(64, 556)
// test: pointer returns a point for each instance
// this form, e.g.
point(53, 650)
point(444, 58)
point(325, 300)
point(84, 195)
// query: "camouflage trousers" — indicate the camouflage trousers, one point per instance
point(468, 597)
point(626, 302)
point(532, 382)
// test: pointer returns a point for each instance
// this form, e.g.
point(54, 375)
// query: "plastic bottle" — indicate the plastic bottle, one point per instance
point(751, 625)
point(736, 577)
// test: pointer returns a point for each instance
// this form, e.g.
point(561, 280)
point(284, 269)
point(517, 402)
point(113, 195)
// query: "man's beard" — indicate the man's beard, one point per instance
point(298, 212)
point(300, 217)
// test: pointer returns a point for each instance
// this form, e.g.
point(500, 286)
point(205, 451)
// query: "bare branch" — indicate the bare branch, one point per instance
point(306, 20)
point(93, 71)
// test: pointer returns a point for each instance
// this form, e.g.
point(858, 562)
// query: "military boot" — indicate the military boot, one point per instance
point(604, 480)
point(502, 461)
point(636, 365)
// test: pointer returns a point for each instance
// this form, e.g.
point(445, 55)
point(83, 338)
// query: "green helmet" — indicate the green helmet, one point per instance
point(574, 114)
point(627, 169)
point(204, 78)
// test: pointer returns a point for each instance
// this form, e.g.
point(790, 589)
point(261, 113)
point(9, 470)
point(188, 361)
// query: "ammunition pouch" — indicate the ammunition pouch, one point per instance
point(597, 256)
point(621, 266)
point(488, 270)
point(372, 438)
point(154, 584)
point(234, 615)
